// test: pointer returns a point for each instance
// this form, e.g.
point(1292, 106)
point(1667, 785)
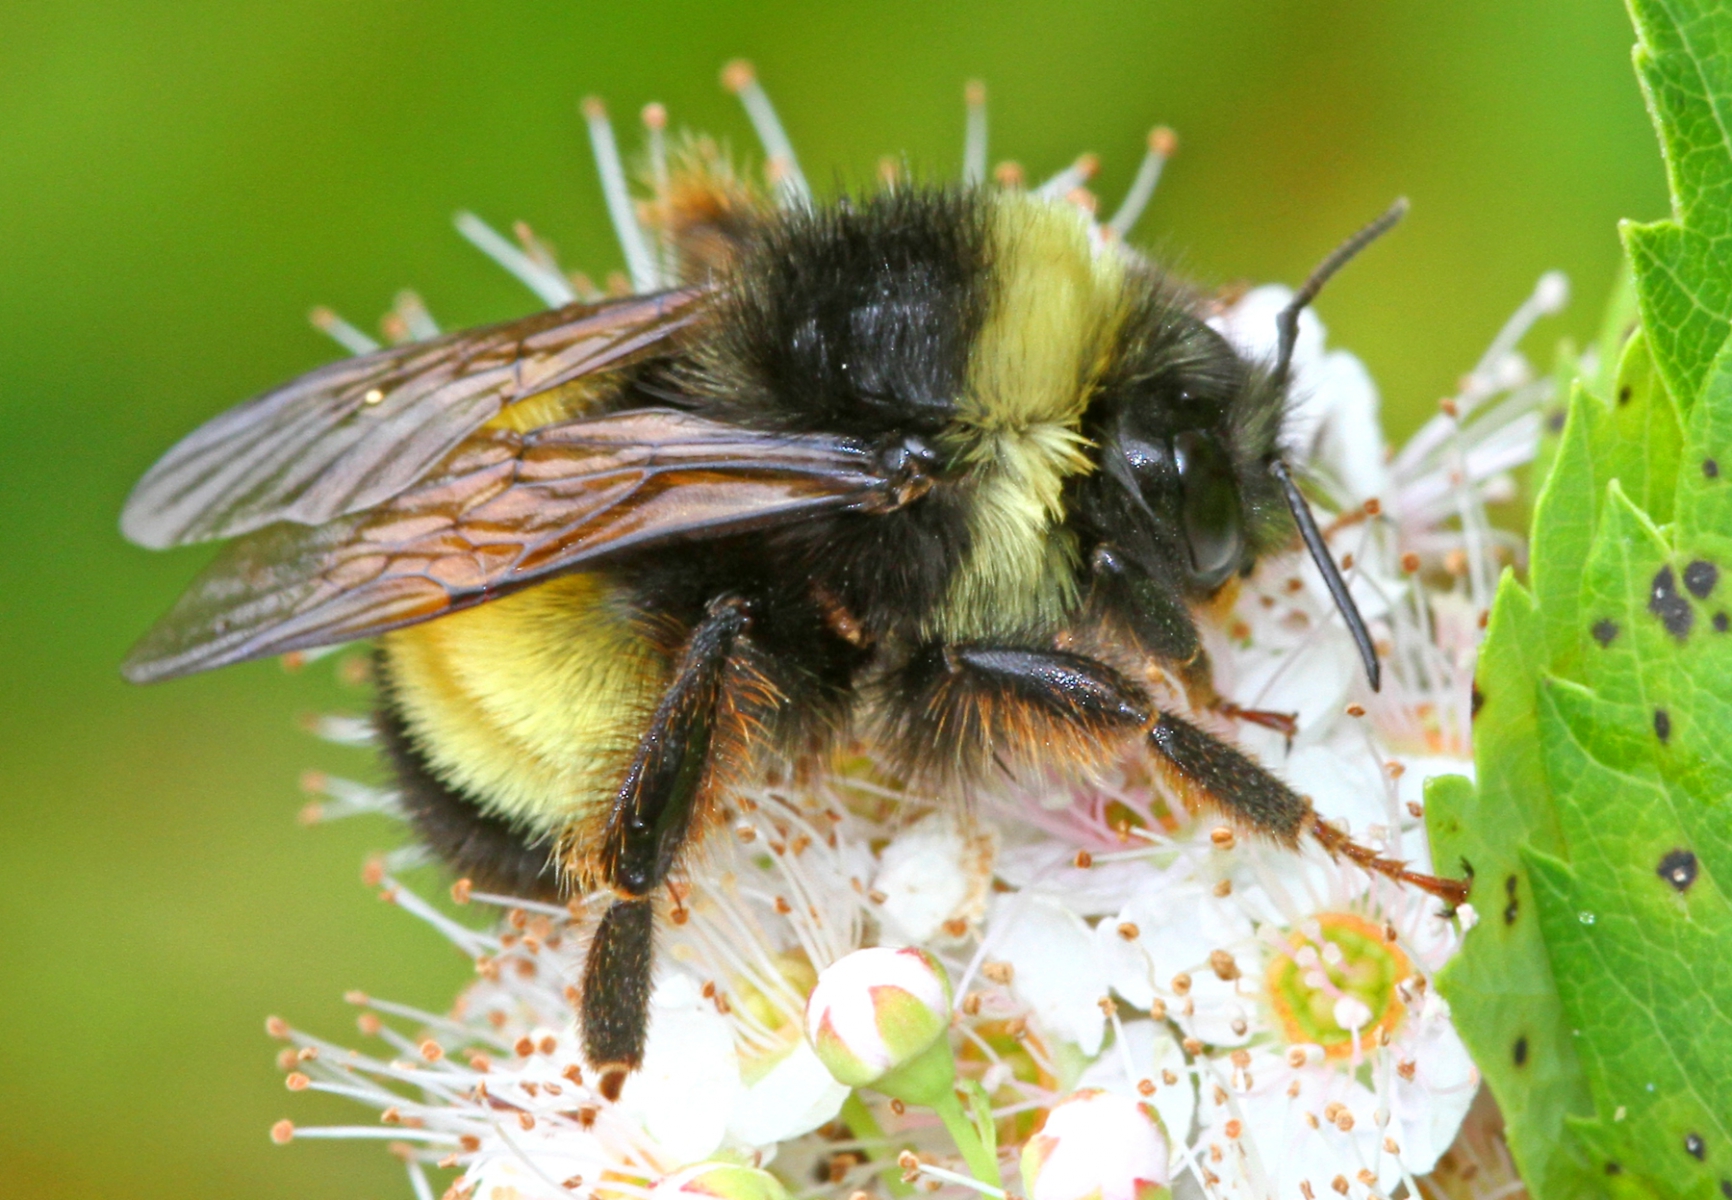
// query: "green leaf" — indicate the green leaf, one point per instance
point(1500, 988)
point(1600, 833)
point(1684, 62)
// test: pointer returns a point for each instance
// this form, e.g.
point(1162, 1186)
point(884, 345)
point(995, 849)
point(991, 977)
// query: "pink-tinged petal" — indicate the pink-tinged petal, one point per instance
point(876, 1009)
point(1098, 1146)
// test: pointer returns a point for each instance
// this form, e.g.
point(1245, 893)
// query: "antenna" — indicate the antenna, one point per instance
point(1287, 323)
point(1331, 575)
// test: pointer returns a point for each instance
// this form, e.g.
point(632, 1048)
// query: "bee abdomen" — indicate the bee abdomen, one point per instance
point(477, 845)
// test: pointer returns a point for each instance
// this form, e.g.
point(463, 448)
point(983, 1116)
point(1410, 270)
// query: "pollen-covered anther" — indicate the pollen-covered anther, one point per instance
point(1129, 931)
point(1223, 964)
point(738, 75)
point(283, 1132)
point(1222, 837)
point(1410, 562)
point(1181, 984)
point(1355, 710)
point(1340, 1184)
point(1083, 860)
point(277, 1027)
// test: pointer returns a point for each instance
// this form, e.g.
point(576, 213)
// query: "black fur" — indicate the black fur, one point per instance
point(616, 991)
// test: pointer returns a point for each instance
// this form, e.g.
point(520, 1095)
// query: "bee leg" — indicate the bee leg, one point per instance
point(651, 818)
point(1212, 771)
point(995, 693)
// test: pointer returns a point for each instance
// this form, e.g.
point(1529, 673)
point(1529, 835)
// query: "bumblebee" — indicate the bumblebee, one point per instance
point(932, 471)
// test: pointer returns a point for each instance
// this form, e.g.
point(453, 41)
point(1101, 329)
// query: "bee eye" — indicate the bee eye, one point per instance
point(1213, 531)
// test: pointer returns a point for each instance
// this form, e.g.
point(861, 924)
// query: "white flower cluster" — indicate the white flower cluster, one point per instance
point(1265, 1018)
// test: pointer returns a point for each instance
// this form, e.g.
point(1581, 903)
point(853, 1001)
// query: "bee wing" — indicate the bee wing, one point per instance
point(503, 511)
point(354, 433)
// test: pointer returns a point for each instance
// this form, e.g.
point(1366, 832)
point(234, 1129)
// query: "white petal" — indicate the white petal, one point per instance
point(1056, 972)
point(794, 1097)
point(1179, 925)
point(543, 1165)
point(1311, 680)
point(1224, 1013)
point(1250, 326)
point(1430, 1107)
point(1147, 1050)
point(1349, 444)
point(690, 1079)
point(934, 872)
point(1280, 1143)
point(1049, 866)
point(1344, 782)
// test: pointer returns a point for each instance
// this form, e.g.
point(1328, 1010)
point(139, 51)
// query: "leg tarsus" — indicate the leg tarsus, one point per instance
point(1285, 724)
point(1452, 892)
point(616, 992)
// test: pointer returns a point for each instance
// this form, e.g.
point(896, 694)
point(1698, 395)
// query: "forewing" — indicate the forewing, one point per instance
point(354, 433)
point(502, 512)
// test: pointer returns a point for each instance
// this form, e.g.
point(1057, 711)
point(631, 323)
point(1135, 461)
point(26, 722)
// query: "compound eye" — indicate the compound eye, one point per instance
point(1214, 533)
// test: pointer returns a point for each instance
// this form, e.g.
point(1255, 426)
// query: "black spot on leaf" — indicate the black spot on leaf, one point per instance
point(1700, 578)
point(1624, 394)
point(1555, 420)
point(1662, 725)
point(1721, 623)
point(1605, 629)
point(1710, 468)
point(1613, 1168)
point(1475, 701)
point(1513, 908)
point(1726, 1188)
point(1673, 610)
point(1695, 1146)
point(1678, 868)
point(1520, 1053)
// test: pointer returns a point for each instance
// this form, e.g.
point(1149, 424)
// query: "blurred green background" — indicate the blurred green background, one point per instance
point(180, 182)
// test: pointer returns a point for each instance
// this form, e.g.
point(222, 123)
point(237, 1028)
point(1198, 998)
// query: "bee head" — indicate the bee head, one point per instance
point(1185, 431)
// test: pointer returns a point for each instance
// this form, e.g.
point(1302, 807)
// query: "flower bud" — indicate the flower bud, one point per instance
point(1098, 1145)
point(721, 1181)
point(876, 1010)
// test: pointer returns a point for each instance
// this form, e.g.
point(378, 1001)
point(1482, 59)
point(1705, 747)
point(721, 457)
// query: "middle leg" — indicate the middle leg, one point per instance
point(959, 706)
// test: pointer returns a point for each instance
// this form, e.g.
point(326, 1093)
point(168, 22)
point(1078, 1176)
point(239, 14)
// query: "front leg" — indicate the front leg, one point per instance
point(975, 704)
point(651, 819)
